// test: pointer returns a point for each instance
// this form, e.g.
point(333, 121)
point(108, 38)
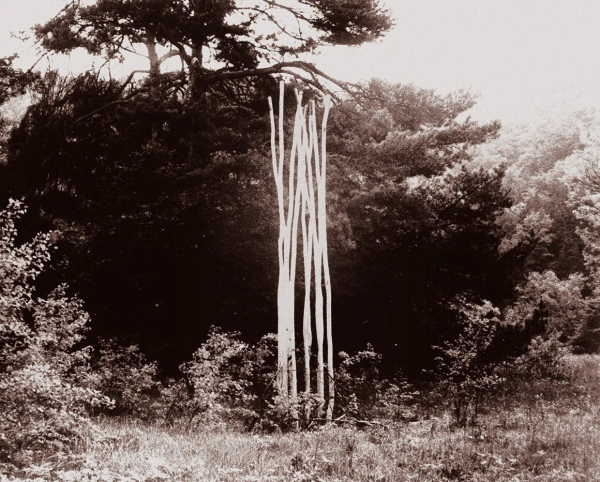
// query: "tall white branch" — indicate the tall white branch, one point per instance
point(306, 168)
point(326, 274)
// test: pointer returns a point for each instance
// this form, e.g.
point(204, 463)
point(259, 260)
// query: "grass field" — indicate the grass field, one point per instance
point(545, 431)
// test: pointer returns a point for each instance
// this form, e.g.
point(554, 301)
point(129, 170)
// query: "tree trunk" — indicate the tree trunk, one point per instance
point(196, 73)
point(153, 58)
point(288, 237)
point(318, 259)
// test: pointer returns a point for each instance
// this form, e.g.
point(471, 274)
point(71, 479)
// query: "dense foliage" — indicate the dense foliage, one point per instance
point(123, 374)
point(46, 385)
point(166, 212)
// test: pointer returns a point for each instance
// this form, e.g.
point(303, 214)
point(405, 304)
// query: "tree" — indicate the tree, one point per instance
point(13, 83)
point(551, 172)
point(144, 223)
point(419, 249)
point(118, 165)
point(169, 216)
point(558, 304)
point(46, 386)
point(415, 225)
point(217, 41)
point(541, 163)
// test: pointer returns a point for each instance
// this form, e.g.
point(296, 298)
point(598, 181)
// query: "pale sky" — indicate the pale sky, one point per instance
point(520, 55)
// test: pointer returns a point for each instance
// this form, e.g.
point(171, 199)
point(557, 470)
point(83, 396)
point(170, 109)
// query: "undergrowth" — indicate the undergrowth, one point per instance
point(547, 430)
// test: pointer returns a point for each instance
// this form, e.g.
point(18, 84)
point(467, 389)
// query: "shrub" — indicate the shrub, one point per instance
point(228, 382)
point(545, 357)
point(271, 411)
point(231, 382)
point(216, 383)
point(466, 369)
point(45, 378)
point(552, 315)
point(362, 392)
point(557, 305)
point(124, 375)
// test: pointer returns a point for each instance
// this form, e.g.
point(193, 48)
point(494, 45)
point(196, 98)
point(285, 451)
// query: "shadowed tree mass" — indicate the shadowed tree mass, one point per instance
point(162, 187)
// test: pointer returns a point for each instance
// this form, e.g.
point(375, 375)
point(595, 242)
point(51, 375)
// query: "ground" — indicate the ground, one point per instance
point(543, 431)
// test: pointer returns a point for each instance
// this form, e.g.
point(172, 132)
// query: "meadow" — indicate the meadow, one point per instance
point(547, 430)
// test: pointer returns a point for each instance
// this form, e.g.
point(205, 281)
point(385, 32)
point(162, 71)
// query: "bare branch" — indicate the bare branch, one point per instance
point(129, 78)
point(168, 55)
point(279, 68)
point(293, 11)
point(105, 106)
point(274, 21)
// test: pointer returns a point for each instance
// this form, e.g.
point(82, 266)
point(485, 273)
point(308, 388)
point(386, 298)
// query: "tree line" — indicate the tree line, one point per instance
point(159, 192)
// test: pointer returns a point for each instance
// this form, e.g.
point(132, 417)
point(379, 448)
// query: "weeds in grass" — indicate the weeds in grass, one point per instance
point(533, 431)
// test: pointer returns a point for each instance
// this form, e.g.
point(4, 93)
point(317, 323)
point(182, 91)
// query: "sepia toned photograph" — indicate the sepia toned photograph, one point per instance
point(299, 241)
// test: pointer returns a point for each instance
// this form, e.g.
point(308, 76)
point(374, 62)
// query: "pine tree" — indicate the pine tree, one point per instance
point(217, 40)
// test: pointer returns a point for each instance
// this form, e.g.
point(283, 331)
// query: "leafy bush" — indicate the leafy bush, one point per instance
point(545, 358)
point(124, 375)
point(362, 392)
point(229, 382)
point(45, 378)
point(216, 383)
point(466, 368)
point(552, 314)
point(558, 305)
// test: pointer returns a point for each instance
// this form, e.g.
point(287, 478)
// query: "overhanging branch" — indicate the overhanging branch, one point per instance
point(284, 68)
point(168, 55)
point(106, 106)
point(128, 80)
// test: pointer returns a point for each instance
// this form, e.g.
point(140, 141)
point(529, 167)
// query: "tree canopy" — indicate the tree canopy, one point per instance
point(217, 41)
point(168, 211)
point(14, 82)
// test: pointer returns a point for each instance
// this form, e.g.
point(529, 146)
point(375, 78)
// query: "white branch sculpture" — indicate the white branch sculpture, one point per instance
point(307, 205)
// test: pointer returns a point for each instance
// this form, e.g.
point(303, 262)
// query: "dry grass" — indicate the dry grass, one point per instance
point(538, 431)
